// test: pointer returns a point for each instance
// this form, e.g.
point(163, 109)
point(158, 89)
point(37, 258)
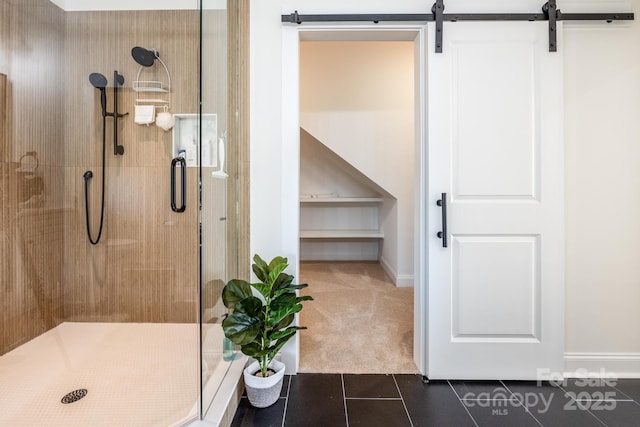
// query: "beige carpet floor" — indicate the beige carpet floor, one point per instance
point(359, 321)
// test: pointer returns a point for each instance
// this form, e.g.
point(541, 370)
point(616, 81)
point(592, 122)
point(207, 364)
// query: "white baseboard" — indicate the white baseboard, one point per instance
point(400, 280)
point(615, 365)
point(404, 281)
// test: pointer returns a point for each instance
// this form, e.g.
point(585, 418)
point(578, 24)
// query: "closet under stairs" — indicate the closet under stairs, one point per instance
point(340, 208)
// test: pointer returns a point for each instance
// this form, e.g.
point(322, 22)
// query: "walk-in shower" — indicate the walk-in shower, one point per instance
point(125, 331)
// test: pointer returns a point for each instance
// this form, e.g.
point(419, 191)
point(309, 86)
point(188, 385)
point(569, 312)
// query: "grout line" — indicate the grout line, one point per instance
point(344, 400)
point(521, 403)
point(589, 412)
point(402, 399)
point(373, 398)
point(625, 394)
point(462, 403)
point(628, 397)
point(286, 401)
point(568, 394)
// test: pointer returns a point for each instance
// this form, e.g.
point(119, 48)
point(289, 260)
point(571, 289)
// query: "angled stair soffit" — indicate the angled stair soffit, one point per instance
point(310, 144)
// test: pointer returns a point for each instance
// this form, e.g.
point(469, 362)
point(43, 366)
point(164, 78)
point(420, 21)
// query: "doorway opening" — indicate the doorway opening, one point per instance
point(360, 187)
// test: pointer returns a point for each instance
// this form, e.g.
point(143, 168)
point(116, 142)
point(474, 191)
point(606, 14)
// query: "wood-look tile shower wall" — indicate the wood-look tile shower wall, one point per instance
point(145, 268)
point(31, 175)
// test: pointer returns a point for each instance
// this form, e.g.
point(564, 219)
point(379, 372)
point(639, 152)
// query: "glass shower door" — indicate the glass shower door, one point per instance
point(218, 216)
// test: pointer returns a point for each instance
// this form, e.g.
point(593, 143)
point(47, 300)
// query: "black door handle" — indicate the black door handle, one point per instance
point(443, 234)
point(183, 185)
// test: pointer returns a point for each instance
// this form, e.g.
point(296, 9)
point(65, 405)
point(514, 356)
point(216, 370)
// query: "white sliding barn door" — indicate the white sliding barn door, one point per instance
point(495, 137)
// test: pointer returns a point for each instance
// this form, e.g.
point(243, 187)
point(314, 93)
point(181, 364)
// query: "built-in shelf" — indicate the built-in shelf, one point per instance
point(341, 234)
point(340, 228)
point(341, 200)
point(185, 138)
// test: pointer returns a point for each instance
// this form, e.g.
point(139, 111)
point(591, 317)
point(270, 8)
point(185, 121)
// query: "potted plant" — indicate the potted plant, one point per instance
point(260, 322)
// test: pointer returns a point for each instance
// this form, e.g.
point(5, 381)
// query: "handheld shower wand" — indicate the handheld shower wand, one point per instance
point(99, 81)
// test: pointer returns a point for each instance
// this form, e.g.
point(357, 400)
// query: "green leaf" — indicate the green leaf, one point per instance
point(278, 315)
point(283, 301)
point(276, 348)
point(263, 288)
point(235, 291)
point(283, 281)
point(278, 262)
point(285, 332)
point(260, 268)
point(283, 308)
point(286, 321)
point(253, 349)
point(276, 294)
point(241, 328)
point(275, 270)
point(250, 306)
point(285, 289)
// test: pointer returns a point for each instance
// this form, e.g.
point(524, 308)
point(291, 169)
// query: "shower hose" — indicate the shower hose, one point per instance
point(87, 176)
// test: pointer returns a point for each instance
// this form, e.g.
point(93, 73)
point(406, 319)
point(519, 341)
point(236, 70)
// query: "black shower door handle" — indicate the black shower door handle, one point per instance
point(443, 234)
point(179, 161)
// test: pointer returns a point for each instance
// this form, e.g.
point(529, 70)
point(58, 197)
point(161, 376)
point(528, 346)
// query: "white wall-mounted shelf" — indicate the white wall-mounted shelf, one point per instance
point(341, 234)
point(341, 200)
point(340, 228)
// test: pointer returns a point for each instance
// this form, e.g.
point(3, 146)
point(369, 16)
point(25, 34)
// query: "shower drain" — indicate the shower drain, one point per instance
point(74, 396)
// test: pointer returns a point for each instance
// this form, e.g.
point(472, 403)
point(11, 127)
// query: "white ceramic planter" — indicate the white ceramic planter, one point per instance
point(263, 392)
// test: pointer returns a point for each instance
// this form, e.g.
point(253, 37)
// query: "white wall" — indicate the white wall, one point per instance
point(602, 84)
point(602, 81)
point(357, 98)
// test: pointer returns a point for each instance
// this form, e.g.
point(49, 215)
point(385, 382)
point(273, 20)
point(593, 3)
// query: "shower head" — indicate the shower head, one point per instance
point(100, 82)
point(144, 57)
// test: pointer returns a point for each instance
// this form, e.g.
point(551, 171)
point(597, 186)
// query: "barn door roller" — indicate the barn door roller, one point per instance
point(550, 13)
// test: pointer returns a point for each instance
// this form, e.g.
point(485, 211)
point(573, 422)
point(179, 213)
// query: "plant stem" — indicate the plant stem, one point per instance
point(265, 344)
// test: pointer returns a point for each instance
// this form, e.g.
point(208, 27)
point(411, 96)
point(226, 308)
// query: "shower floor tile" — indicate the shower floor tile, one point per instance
point(134, 374)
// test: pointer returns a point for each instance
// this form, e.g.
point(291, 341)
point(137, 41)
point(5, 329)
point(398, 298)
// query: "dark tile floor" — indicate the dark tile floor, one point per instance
point(335, 400)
